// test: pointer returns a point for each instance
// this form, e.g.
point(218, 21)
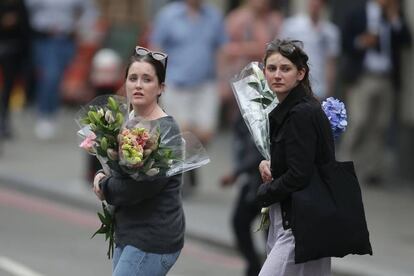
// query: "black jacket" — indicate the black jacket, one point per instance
point(294, 144)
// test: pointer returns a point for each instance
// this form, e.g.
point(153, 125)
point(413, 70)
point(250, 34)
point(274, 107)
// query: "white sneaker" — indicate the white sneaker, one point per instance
point(45, 129)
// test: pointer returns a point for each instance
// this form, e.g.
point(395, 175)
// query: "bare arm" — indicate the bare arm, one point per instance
point(330, 75)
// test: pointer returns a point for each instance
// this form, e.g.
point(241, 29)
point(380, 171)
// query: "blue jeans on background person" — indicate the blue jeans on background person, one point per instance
point(51, 57)
point(131, 261)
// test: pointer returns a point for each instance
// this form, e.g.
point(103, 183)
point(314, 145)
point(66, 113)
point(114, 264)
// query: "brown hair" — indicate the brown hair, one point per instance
point(160, 69)
point(293, 51)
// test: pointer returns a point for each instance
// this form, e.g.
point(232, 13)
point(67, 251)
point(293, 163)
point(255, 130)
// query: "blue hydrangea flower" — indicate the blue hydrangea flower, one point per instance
point(336, 113)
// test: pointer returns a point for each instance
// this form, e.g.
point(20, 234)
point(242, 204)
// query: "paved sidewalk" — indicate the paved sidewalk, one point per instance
point(56, 169)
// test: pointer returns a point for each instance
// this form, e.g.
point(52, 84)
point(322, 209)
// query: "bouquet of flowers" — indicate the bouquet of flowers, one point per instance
point(256, 101)
point(336, 113)
point(147, 149)
point(140, 151)
point(128, 145)
point(100, 122)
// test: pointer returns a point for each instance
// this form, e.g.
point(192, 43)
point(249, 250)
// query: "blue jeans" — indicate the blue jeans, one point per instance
point(51, 57)
point(131, 261)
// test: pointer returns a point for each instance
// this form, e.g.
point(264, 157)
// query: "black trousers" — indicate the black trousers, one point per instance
point(244, 214)
point(10, 67)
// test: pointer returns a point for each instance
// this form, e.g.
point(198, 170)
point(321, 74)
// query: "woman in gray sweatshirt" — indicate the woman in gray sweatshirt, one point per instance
point(149, 218)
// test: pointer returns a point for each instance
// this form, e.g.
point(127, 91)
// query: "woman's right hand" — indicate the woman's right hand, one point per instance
point(97, 190)
point(264, 168)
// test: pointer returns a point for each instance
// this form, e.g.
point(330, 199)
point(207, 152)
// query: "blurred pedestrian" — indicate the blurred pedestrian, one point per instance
point(191, 32)
point(294, 152)
point(372, 43)
point(55, 24)
point(321, 39)
point(192, 90)
point(14, 52)
point(246, 161)
point(249, 27)
point(149, 217)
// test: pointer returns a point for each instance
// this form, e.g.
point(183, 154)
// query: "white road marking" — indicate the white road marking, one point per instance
point(15, 268)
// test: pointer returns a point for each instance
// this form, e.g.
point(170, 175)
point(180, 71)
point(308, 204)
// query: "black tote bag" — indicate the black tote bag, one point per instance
point(328, 215)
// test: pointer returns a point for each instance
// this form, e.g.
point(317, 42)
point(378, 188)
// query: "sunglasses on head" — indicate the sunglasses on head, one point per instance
point(141, 51)
point(286, 47)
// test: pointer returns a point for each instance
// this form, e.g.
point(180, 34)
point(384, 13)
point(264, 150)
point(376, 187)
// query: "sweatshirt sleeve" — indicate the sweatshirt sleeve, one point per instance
point(122, 190)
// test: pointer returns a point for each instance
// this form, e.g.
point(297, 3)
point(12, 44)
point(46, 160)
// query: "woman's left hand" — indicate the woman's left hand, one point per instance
point(96, 189)
point(265, 172)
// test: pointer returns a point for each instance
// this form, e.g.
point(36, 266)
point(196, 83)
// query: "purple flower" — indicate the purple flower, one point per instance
point(336, 113)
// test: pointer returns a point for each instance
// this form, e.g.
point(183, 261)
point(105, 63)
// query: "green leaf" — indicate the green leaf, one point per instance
point(110, 252)
point(104, 229)
point(102, 218)
point(94, 234)
point(99, 231)
point(264, 222)
point(264, 101)
point(263, 82)
point(104, 144)
point(107, 229)
point(97, 118)
point(112, 104)
point(268, 94)
point(91, 116)
point(256, 86)
point(257, 100)
point(85, 121)
point(101, 152)
point(119, 119)
point(107, 213)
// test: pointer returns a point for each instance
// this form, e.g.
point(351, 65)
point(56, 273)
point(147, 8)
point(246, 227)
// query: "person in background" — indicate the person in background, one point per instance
point(249, 27)
point(149, 228)
point(14, 51)
point(246, 160)
point(321, 40)
point(192, 33)
point(192, 69)
point(372, 43)
point(55, 24)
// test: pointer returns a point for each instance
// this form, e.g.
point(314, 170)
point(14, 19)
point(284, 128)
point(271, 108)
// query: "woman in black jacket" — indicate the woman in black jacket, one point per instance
point(149, 218)
point(294, 140)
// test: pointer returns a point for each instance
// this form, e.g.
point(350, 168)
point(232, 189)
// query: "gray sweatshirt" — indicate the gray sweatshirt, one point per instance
point(148, 213)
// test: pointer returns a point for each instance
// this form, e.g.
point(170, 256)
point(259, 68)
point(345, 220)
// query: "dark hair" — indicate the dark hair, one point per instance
point(293, 51)
point(160, 70)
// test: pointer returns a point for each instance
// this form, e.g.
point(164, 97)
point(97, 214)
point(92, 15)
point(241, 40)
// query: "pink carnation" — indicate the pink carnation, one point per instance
point(89, 142)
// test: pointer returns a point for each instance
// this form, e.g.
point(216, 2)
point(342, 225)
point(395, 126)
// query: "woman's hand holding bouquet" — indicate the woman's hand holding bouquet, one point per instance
point(137, 148)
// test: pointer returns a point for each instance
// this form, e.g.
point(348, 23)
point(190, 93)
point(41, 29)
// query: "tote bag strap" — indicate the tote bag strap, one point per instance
point(326, 145)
